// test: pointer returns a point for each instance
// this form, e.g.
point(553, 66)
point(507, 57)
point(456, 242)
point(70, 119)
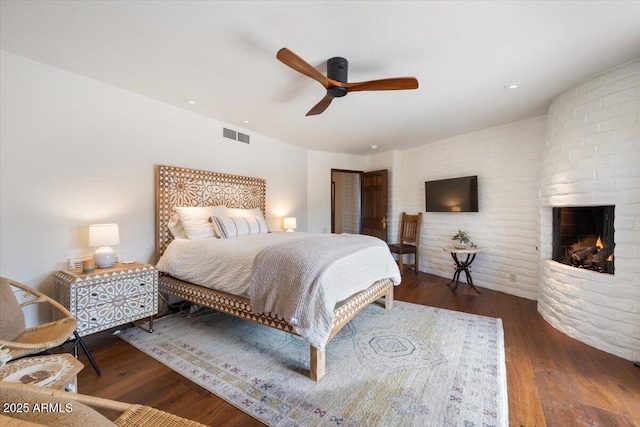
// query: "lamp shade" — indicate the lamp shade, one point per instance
point(103, 235)
point(289, 223)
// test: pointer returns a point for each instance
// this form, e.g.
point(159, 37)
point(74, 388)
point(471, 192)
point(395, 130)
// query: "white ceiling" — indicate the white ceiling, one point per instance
point(222, 55)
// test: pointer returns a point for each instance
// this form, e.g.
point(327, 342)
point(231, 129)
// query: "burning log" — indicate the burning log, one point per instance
point(590, 253)
point(580, 257)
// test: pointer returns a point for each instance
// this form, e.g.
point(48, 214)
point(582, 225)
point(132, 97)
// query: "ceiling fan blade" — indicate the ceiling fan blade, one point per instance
point(320, 106)
point(292, 60)
point(398, 83)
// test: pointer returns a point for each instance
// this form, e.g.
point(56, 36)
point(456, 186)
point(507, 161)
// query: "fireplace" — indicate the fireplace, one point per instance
point(583, 237)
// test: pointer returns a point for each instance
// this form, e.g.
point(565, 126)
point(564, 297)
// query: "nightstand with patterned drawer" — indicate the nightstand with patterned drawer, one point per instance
point(108, 297)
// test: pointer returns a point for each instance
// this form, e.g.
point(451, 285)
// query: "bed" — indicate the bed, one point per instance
point(177, 187)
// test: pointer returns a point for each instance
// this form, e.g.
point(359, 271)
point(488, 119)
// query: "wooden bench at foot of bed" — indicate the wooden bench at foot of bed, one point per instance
point(241, 307)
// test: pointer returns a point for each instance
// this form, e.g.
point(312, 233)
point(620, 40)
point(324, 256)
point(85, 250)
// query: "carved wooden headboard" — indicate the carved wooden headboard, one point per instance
point(190, 187)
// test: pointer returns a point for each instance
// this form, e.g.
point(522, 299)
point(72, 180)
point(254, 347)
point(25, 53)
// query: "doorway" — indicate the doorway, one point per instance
point(346, 201)
point(359, 202)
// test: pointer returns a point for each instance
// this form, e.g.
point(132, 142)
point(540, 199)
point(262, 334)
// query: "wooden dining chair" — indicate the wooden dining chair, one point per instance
point(409, 241)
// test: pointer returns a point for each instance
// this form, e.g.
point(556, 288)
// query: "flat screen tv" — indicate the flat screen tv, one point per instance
point(452, 195)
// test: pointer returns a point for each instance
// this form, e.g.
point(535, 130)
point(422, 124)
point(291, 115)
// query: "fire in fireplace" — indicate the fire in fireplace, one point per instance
point(583, 237)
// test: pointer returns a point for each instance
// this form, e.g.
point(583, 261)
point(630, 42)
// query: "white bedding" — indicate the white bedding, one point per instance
point(226, 265)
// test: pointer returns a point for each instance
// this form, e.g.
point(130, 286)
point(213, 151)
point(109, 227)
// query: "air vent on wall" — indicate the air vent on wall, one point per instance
point(232, 134)
point(228, 133)
point(243, 138)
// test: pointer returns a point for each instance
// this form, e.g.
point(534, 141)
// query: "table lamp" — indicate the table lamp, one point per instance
point(103, 236)
point(289, 224)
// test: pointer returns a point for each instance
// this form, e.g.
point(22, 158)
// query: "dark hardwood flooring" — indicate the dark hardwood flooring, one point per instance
point(553, 380)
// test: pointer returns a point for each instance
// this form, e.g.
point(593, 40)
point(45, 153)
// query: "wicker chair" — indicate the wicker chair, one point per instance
point(22, 341)
point(129, 414)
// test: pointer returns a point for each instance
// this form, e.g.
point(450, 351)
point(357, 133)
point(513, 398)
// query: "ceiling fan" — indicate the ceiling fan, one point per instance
point(336, 79)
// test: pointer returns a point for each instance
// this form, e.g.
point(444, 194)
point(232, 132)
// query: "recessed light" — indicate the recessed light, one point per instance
point(514, 85)
point(246, 121)
point(373, 147)
point(190, 101)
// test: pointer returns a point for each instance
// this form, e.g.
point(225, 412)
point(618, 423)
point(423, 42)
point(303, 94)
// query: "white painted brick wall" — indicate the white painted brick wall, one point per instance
point(350, 203)
point(592, 157)
point(507, 160)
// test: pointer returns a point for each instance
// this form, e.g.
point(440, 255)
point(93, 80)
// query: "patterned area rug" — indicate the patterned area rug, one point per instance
point(412, 366)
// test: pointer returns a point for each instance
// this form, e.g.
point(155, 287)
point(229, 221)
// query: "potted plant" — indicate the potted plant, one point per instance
point(462, 237)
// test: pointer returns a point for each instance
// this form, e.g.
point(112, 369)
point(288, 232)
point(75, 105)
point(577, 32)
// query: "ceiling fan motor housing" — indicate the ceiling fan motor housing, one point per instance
point(337, 69)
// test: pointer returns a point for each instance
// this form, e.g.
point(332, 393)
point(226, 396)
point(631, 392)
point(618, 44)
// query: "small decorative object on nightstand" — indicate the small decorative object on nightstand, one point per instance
point(108, 297)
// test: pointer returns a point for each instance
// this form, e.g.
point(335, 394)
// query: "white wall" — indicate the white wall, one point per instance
point(75, 151)
point(507, 160)
point(319, 165)
point(592, 157)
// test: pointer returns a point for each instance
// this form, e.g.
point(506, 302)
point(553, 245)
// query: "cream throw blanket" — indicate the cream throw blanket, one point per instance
point(288, 279)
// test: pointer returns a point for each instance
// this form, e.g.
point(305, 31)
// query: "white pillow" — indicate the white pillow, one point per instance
point(245, 212)
point(195, 220)
point(234, 226)
point(255, 212)
point(175, 227)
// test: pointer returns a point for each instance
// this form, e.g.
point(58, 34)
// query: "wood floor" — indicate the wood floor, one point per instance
point(553, 380)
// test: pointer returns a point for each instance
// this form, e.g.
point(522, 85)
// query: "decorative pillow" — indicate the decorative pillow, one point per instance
point(195, 220)
point(245, 212)
point(255, 212)
point(11, 316)
point(234, 226)
point(175, 227)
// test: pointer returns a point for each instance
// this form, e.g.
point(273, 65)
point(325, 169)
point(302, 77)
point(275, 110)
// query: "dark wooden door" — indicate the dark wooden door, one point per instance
point(374, 204)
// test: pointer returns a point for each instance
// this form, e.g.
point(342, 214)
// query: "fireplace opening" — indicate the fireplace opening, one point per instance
point(583, 237)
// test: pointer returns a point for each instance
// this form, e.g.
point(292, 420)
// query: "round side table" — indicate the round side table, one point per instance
point(462, 266)
point(33, 370)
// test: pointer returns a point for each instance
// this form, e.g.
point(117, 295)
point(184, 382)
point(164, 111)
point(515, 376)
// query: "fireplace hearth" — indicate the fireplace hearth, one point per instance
point(583, 237)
